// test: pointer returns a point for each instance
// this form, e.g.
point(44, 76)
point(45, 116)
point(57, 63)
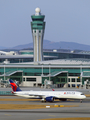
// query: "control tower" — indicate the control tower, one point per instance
point(38, 26)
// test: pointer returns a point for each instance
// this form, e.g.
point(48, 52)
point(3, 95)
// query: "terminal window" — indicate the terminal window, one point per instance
point(31, 79)
point(73, 85)
point(78, 80)
point(68, 79)
point(23, 79)
point(73, 79)
point(62, 79)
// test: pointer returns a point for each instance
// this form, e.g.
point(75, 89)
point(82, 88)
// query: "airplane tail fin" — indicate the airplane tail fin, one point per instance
point(15, 88)
point(53, 90)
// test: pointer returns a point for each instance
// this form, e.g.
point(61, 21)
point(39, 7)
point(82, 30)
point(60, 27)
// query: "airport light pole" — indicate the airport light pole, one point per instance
point(42, 69)
point(81, 72)
point(4, 71)
point(49, 71)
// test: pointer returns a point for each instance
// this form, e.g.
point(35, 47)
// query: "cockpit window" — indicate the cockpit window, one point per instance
point(82, 94)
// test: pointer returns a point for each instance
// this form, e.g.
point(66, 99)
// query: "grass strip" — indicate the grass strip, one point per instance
point(67, 119)
point(21, 106)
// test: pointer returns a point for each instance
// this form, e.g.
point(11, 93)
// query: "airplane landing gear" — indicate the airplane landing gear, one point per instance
point(43, 100)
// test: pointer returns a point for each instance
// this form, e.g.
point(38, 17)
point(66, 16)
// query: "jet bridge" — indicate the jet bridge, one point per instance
point(57, 78)
point(15, 75)
point(85, 75)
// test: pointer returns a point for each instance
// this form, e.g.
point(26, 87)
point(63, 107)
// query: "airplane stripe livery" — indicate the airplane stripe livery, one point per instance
point(47, 96)
point(14, 86)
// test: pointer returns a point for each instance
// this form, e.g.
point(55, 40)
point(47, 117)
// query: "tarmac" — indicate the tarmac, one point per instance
point(80, 109)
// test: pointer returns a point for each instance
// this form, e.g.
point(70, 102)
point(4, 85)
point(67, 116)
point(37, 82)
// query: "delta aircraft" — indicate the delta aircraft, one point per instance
point(47, 96)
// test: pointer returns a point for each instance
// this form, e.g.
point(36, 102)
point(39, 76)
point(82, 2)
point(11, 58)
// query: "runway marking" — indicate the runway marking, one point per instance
point(52, 115)
point(8, 114)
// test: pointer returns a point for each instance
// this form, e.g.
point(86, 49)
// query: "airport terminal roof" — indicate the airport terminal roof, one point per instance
point(59, 62)
point(15, 56)
point(67, 62)
point(22, 56)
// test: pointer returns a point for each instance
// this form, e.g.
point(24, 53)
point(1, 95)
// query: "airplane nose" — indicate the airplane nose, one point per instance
point(84, 96)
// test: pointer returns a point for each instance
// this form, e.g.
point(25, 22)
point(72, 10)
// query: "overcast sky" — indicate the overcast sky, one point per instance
point(66, 20)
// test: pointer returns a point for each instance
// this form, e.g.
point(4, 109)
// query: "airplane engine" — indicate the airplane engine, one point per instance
point(63, 99)
point(49, 99)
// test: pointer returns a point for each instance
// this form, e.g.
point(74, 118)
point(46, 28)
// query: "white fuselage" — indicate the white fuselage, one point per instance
point(54, 94)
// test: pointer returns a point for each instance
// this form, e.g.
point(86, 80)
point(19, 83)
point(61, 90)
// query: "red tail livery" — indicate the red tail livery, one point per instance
point(14, 86)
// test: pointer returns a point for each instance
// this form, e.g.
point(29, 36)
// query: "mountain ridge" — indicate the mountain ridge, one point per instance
point(54, 45)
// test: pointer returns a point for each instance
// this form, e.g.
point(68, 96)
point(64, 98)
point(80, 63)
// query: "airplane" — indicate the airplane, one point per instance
point(47, 96)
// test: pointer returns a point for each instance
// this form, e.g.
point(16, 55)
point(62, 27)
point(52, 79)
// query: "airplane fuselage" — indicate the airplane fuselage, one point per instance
point(54, 94)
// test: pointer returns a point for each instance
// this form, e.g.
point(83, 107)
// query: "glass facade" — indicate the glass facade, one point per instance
point(57, 76)
point(62, 55)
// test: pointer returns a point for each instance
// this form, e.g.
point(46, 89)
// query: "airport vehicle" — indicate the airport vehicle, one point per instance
point(47, 96)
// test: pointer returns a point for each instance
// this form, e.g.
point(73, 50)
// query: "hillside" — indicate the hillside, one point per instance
point(55, 45)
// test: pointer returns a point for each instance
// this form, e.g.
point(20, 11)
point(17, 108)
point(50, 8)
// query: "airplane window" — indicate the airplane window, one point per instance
point(82, 94)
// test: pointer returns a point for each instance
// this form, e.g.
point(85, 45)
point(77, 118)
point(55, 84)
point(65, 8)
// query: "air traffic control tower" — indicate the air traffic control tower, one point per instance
point(38, 26)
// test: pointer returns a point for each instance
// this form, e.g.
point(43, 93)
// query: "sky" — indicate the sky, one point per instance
point(66, 20)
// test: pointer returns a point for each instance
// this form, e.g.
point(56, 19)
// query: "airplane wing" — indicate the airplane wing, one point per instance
point(39, 95)
point(42, 96)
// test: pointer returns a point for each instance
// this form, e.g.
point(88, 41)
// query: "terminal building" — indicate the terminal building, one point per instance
point(60, 73)
point(39, 67)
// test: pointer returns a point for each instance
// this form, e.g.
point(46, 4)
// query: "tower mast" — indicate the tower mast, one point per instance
point(38, 27)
